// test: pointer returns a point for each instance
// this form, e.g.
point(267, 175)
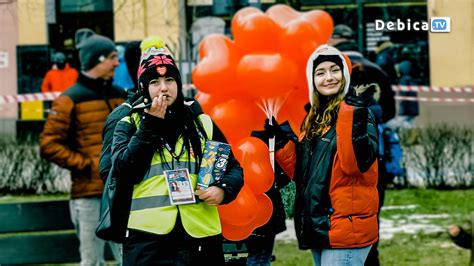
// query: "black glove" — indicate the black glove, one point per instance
point(361, 96)
point(282, 133)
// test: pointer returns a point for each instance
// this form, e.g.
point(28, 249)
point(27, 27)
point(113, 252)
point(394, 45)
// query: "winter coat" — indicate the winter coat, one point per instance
point(118, 113)
point(113, 118)
point(336, 200)
point(141, 143)
point(58, 80)
point(72, 135)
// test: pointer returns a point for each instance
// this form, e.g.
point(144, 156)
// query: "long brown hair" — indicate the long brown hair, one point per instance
point(322, 113)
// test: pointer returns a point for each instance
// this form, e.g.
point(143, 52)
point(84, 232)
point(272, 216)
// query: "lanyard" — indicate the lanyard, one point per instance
point(171, 150)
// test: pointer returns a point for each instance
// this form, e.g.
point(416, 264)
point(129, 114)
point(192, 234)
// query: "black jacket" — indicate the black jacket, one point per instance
point(105, 162)
point(118, 113)
point(313, 175)
point(133, 149)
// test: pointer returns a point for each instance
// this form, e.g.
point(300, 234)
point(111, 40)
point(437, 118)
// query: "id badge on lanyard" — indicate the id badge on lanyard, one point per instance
point(180, 189)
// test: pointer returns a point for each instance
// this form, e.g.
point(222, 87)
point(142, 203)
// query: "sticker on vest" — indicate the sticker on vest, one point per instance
point(180, 189)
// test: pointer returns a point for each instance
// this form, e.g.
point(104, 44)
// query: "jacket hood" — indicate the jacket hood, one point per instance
point(326, 50)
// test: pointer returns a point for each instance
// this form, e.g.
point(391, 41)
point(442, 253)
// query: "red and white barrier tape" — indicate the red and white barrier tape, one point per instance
point(433, 89)
point(48, 96)
point(434, 99)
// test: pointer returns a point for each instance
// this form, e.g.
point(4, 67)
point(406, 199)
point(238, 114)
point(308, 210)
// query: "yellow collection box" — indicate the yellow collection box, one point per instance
point(32, 110)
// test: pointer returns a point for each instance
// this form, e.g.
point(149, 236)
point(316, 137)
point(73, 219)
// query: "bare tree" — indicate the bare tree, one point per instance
point(443, 155)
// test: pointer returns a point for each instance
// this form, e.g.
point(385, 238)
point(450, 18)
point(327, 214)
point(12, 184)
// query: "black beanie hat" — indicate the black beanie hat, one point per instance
point(94, 50)
point(155, 63)
point(332, 58)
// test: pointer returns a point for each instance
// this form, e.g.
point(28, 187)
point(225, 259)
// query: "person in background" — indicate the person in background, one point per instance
point(334, 165)
point(386, 61)
point(122, 77)
point(60, 77)
point(165, 134)
point(408, 110)
point(72, 139)
point(461, 235)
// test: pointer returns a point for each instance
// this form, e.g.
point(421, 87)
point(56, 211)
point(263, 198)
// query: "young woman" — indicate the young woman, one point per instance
point(167, 139)
point(335, 169)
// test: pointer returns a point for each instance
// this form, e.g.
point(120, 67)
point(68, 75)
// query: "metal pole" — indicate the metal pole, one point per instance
point(360, 25)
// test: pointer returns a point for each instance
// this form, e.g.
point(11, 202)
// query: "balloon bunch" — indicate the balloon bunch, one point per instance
point(259, 74)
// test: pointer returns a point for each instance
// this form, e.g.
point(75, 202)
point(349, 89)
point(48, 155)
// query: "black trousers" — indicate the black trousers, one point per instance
point(176, 248)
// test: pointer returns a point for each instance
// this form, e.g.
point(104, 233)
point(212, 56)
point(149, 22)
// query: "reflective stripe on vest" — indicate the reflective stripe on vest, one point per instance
point(151, 210)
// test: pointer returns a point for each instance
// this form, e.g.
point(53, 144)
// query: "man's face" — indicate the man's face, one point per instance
point(106, 68)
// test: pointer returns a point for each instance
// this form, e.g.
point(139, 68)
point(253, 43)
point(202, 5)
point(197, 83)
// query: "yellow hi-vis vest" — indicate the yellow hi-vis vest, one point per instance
point(151, 210)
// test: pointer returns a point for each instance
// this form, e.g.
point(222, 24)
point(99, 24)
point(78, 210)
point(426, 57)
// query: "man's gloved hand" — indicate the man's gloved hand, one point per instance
point(282, 133)
point(361, 96)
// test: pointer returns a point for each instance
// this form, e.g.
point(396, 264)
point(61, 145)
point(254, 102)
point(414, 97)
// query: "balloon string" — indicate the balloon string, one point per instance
point(271, 107)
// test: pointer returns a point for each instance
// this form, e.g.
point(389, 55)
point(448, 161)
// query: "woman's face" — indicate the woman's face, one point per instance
point(328, 78)
point(166, 86)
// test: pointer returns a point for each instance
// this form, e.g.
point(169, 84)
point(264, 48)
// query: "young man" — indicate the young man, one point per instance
point(72, 138)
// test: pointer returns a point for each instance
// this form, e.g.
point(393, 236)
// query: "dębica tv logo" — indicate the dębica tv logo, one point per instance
point(437, 24)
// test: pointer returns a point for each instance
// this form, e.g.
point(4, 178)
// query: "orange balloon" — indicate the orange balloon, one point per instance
point(208, 101)
point(293, 109)
point(237, 119)
point(264, 210)
point(258, 175)
point(264, 76)
point(217, 66)
point(306, 35)
point(282, 14)
point(251, 146)
point(324, 22)
point(255, 160)
point(242, 15)
point(234, 232)
point(241, 211)
point(255, 32)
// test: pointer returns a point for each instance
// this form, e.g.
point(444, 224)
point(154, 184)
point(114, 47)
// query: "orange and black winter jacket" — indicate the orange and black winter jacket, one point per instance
point(72, 135)
point(336, 201)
